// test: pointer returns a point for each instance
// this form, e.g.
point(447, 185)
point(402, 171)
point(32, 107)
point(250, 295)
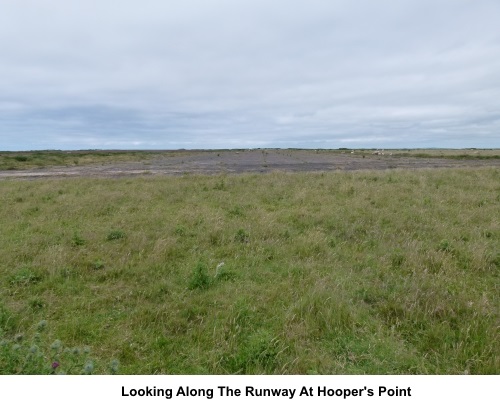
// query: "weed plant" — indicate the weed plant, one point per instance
point(393, 272)
point(35, 355)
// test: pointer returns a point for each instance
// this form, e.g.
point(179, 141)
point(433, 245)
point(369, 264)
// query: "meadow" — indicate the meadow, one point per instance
point(365, 272)
point(50, 158)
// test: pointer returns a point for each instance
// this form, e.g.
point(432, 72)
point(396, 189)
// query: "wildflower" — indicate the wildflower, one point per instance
point(41, 325)
point(114, 366)
point(55, 364)
point(56, 345)
point(88, 368)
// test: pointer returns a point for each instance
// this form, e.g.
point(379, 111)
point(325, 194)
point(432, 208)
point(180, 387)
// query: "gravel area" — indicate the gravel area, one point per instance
point(249, 161)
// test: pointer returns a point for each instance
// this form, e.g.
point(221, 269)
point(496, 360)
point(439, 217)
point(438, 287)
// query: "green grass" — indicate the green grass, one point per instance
point(392, 272)
point(459, 154)
point(42, 159)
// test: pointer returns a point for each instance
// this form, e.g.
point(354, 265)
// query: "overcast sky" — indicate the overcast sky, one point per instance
point(168, 74)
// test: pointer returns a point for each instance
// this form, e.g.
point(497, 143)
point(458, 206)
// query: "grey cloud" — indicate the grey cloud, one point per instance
point(221, 73)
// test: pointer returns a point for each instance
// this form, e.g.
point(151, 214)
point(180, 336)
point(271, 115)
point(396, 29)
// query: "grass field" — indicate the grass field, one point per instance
point(42, 159)
point(393, 272)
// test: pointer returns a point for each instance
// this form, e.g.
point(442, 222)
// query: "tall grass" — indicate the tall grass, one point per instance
point(366, 272)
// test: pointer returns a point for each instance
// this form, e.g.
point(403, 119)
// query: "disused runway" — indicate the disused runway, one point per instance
point(248, 161)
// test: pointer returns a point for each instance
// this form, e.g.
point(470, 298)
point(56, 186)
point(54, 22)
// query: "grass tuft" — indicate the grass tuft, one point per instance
point(200, 279)
point(115, 235)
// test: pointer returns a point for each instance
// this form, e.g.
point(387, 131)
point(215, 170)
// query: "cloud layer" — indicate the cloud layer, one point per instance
point(231, 74)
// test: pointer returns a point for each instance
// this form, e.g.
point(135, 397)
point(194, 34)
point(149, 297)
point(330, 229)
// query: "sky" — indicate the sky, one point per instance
point(216, 74)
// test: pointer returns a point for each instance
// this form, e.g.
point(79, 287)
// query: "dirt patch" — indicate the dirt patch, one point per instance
point(249, 161)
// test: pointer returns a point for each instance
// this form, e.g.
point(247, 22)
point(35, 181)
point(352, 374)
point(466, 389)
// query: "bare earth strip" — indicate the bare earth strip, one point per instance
point(257, 161)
